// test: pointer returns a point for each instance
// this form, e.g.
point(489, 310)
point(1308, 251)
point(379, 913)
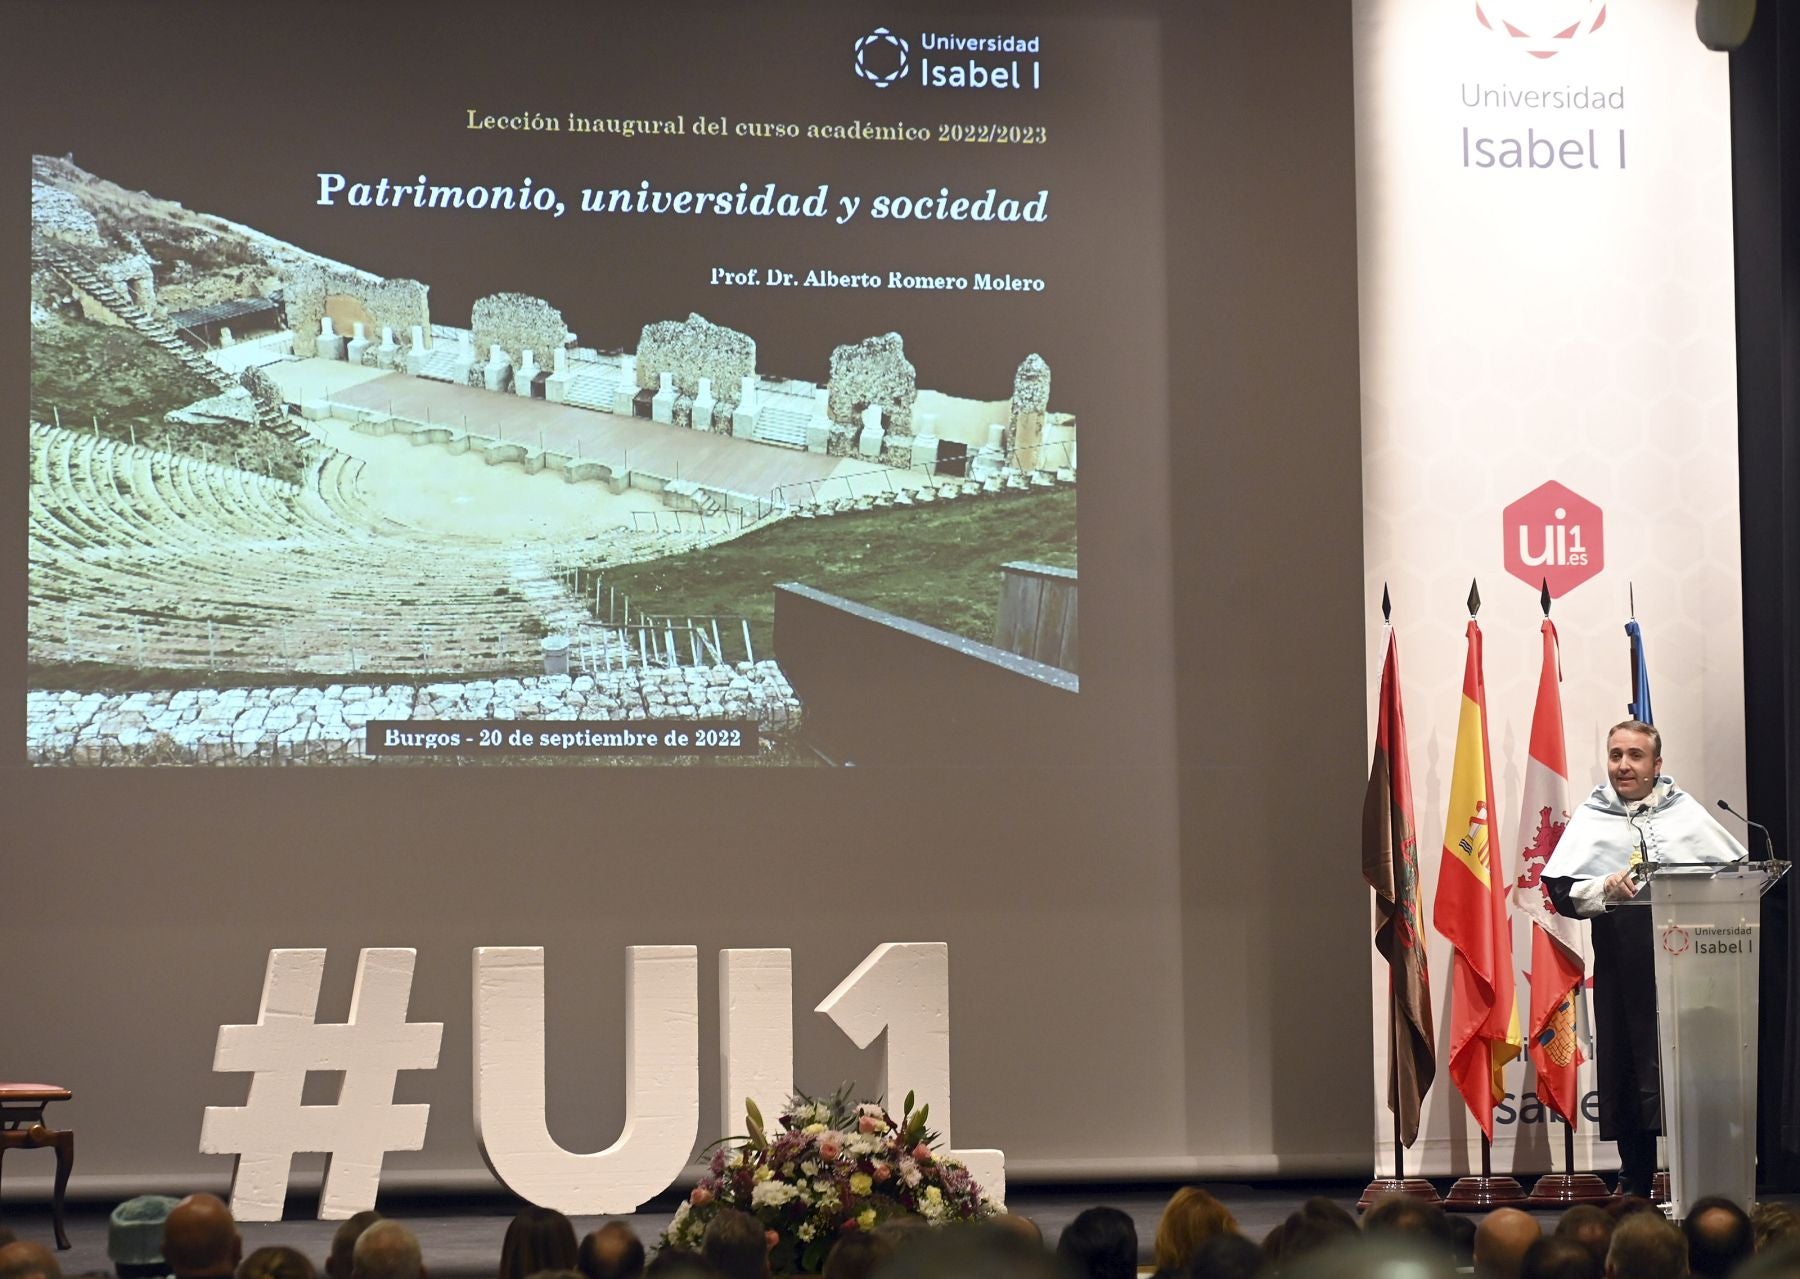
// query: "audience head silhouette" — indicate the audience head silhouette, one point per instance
point(1405, 1215)
point(1501, 1240)
point(1588, 1226)
point(735, 1245)
point(1191, 1218)
point(537, 1239)
point(1101, 1243)
point(1720, 1237)
point(1559, 1257)
point(1644, 1246)
point(200, 1239)
point(857, 1255)
point(276, 1262)
point(612, 1252)
point(387, 1250)
point(22, 1259)
point(343, 1243)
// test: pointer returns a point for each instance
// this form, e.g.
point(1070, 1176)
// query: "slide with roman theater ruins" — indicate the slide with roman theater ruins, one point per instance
point(566, 404)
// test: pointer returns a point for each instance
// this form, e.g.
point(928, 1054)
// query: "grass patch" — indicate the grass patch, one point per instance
point(82, 370)
point(937, 563)
point(86, 370)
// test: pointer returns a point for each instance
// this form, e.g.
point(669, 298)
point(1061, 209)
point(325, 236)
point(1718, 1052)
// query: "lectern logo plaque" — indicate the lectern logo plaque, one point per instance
point(1675, 939)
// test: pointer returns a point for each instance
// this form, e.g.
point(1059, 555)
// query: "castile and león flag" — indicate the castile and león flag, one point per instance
point(1557, 969)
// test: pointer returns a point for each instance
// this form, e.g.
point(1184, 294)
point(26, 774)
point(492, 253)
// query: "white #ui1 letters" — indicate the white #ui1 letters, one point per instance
point(902, 988)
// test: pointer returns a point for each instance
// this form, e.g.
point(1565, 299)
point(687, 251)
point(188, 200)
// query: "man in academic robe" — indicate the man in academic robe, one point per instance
point(1637, 816)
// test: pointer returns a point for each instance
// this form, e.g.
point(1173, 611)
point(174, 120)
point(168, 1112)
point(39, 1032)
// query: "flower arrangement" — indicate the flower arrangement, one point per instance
point(832, 1166)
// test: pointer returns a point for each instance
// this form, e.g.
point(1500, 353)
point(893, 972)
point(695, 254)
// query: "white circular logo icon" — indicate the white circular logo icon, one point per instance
point(880, 47)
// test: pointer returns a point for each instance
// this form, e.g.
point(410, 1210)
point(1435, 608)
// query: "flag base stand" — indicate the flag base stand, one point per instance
point(1411, 1187)
point(1485, 1191)
point(1560, 1189)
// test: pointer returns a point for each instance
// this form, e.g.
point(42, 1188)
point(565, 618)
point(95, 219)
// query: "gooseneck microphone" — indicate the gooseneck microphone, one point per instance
point(1768, 839)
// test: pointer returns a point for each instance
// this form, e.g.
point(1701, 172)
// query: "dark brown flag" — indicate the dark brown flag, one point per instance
point(1391, 865)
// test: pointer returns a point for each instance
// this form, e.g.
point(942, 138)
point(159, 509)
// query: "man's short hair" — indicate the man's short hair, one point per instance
point(386, 1250)
point(735, 1245)
point(343, 1242)
point(1719, 1237)
point(277, 1261)
point(23, 1259)
point(1403, 1214)
point(1101, 1243)
point(612, 1252)
point(1588, 1226)
point(1501, 1240)
point(1644, 1246)
point(1559, 1257)
point(1638, 726)
point(200, 1237)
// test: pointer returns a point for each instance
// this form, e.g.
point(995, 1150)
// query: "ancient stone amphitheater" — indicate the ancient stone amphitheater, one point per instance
point(163, 561)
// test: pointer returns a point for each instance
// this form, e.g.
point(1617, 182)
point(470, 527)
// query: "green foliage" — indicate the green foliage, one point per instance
point(937, 563)
point(83, 371)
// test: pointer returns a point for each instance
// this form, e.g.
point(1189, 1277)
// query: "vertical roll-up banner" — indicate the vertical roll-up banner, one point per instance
point(1548, 381)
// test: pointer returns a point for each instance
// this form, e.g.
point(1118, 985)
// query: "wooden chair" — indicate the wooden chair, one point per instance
point(22, 1127)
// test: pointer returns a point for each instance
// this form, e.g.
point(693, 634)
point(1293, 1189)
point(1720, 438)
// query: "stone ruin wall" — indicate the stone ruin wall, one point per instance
point(1030, 405)
point(399, 304)
point(689, 350)
point(873, 371)
point(517, 322)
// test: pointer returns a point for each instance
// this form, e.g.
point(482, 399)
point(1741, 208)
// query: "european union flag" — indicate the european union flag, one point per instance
point(1640, 675)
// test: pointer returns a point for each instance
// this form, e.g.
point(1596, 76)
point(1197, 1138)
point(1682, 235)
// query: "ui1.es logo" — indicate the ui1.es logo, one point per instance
point(1553, 535)
point(882, 57)
point(1542, 28)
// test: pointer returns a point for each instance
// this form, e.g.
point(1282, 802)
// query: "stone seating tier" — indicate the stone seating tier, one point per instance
point(146, 558)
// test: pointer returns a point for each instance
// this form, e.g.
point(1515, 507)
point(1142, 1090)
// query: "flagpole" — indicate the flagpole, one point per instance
point(1399, 1183)
point(1479, 1193)
point(1560, 1189)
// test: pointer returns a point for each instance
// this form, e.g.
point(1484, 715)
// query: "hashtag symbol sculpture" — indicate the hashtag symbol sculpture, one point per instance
point(355, 1133)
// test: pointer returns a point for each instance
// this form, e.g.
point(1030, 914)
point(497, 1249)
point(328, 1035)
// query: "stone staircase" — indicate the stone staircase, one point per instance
point(82, 275)
point(444, 363)
point(595, 389)
point(783, 422)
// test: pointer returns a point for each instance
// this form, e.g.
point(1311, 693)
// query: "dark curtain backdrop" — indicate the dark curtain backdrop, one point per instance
point(1765, 139)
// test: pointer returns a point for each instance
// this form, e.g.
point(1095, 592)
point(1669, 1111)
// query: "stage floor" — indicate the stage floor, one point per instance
point(461, 1236)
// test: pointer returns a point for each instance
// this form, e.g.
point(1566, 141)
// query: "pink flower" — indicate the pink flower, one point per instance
point(868, 1124)
point(830, 1147)
point(882, 1172)
point(700, 1196)
point(922, 1153)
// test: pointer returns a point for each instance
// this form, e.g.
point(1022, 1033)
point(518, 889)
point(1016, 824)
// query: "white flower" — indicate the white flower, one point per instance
point(806, 1231)
point(772, 1194)
point(909, 1171)
point(810, 1167)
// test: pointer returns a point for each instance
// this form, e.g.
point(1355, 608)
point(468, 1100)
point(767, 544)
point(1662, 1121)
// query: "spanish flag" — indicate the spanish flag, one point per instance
point(1470, 912)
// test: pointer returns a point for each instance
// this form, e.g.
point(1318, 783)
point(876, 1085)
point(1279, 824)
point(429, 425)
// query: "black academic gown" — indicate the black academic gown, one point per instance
point(1626, 1068)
